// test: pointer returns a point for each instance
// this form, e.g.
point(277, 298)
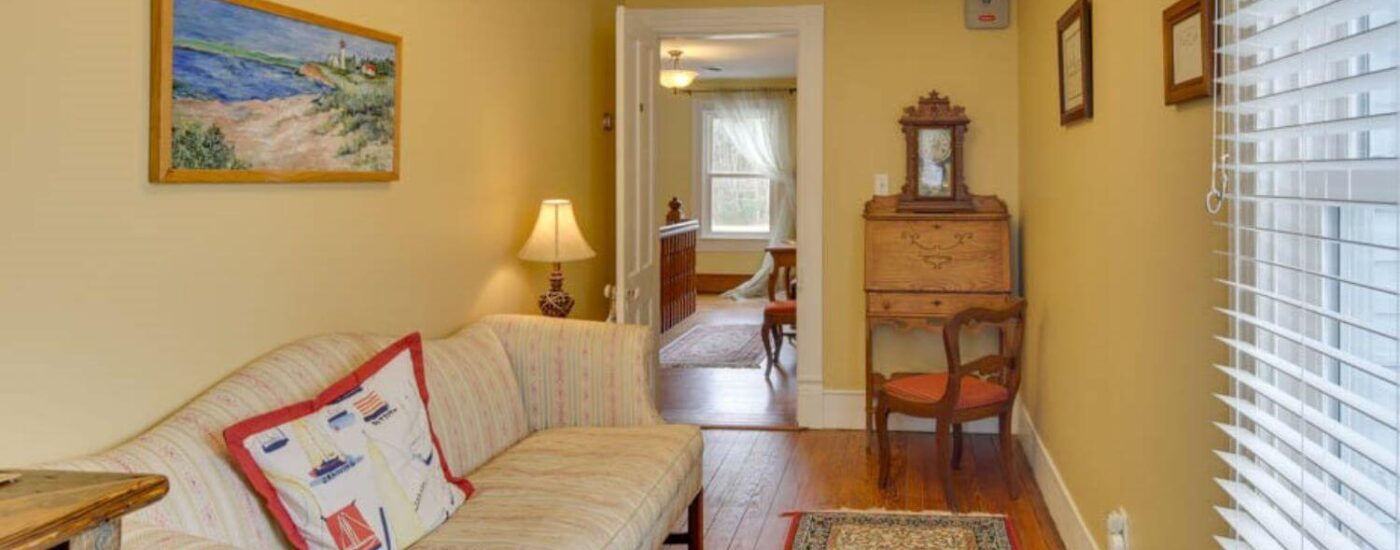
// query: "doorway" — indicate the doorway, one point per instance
point(696, 143)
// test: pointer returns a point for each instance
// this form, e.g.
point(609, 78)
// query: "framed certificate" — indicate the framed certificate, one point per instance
point(1076, 64)
point(1187, 46)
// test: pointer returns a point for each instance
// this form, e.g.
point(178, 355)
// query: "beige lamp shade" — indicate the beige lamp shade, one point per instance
point(556, 237)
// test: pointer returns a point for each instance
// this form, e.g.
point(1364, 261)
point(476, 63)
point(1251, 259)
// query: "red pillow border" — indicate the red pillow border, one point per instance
point(235, 435)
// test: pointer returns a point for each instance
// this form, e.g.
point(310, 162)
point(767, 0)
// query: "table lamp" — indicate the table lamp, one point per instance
point(556, 239)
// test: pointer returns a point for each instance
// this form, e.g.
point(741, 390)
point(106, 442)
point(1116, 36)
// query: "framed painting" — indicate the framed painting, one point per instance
point(1076, 63)
point(252, 91)
point(1187, 51)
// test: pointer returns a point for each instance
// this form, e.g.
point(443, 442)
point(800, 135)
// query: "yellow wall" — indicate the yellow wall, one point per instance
point(675, 166)
point(120, 300)
point(1118, 270)
point(880, 57)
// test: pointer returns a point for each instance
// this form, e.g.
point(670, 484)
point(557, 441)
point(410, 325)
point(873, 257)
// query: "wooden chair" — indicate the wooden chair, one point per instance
point(978, 389)
point(779, 313)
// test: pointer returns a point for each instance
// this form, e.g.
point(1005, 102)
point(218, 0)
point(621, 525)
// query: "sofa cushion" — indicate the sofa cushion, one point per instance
point(584, 488)
point(476, 407)
point(358, 465)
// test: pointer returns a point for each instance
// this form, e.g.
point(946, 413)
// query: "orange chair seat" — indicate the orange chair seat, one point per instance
point(785, 306)
point(974, 393)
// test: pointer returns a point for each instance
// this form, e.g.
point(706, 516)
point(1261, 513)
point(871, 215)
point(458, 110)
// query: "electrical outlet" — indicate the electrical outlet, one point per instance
point(1118, 529)
point(882, 184)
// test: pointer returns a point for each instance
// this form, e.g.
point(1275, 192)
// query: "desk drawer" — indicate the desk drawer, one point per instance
point(922, 304)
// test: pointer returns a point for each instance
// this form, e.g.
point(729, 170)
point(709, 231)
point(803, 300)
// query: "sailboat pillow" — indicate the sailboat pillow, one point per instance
point(359, 465)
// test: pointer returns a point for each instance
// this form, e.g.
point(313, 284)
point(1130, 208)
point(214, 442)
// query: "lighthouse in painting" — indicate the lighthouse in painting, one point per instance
point(340, 61)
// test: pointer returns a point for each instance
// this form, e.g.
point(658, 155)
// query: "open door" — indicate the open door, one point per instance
point(637, 291)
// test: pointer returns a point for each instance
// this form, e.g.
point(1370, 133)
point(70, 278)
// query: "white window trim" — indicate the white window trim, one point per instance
point(711, 241)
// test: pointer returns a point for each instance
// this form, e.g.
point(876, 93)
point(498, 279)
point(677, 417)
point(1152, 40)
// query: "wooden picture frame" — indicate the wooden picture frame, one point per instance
point(1074, 42)
point(288, 72)
point(1188, 46)
point(934, 177)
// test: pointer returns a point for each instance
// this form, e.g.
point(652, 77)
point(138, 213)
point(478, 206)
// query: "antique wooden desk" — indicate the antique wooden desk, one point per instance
point(77, 510)
point(920, 268)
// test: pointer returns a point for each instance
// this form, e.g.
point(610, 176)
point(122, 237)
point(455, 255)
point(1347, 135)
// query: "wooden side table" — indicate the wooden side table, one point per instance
point(79, 510)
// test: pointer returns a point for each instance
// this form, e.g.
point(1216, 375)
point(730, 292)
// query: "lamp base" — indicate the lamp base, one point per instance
point(556, 302)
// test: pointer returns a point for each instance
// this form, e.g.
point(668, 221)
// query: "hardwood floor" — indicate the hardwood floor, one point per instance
point(751, 477)
point(733, 398)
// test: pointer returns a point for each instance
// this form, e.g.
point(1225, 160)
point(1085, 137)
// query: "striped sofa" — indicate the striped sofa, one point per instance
point(551, 420)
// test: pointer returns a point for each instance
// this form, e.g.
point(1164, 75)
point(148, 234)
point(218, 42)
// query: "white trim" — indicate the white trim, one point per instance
point(808, 22)
point(727, 244)
point(1068, 521)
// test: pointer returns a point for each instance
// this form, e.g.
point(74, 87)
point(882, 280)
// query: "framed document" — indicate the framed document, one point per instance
point(1187, 46)
point(1076, 63)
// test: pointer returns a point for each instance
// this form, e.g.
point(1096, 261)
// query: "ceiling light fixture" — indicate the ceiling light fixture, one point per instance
point(675, 77)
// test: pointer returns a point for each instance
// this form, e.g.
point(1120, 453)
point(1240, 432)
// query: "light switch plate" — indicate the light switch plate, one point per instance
point(882, 184)
point(987, 14)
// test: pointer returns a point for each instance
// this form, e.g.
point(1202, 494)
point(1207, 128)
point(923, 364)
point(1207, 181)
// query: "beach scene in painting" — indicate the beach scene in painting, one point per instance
point(258, 91)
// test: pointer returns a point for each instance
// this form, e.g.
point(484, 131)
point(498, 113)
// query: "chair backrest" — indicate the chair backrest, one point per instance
point(784, 268)
point(1003, 367)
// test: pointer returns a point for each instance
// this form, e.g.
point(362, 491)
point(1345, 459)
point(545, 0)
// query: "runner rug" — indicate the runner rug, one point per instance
point(715, 346)
point(885, 530)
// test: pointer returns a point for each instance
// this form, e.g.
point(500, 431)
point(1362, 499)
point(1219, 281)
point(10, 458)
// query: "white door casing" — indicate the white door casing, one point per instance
point(637, 292)
point(808, 23)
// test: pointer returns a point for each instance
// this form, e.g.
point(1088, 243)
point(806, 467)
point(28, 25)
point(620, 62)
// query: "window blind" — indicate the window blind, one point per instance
point(1306, 137)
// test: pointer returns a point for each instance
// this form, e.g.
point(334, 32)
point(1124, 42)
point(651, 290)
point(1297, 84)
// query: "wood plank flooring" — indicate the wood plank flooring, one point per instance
point(736, 398)
point(752, 476)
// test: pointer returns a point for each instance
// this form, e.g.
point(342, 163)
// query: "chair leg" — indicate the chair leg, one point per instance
point(957, 446)
point(944, 463)
point(1008, 454)
point(777, 342)
point(882, 435)
point(767, 334)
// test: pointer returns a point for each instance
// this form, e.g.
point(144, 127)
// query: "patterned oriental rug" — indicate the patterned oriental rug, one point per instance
point(885, 530)
point(715, 346)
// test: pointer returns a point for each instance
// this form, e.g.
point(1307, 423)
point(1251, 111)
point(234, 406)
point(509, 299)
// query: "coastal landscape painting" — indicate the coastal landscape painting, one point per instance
point(251, 91)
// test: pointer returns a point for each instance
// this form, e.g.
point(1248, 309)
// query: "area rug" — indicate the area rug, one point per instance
point(715, 346)
point(886, 530)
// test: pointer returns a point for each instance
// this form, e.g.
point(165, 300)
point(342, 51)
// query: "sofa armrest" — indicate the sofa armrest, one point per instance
point(580, 373)
point(138, 535)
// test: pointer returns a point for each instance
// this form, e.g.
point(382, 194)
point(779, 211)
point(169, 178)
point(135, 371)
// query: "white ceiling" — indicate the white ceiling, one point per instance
point(737, 56)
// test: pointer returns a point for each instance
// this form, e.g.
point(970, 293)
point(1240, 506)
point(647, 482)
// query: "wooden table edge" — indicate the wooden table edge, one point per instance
point(147, 489)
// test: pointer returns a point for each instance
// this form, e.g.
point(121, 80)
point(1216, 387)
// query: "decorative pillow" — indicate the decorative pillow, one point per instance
point(357, 467)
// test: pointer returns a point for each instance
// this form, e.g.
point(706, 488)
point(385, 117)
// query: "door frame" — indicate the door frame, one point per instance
point(808, 23)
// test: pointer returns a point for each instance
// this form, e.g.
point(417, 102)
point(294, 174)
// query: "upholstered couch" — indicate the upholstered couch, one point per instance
point(552, 421)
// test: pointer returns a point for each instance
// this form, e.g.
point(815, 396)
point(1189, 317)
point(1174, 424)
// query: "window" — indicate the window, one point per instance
point(1307, 126)
point(735, 196)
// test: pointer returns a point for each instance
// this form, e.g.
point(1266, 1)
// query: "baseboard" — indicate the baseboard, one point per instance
point(810, 404)
point(1068, 521)
point(718, 283)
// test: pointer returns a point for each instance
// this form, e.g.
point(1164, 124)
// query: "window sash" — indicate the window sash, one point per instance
point(703, 187)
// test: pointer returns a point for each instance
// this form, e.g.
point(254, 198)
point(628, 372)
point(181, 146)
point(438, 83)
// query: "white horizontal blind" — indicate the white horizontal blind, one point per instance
point(1306, 119)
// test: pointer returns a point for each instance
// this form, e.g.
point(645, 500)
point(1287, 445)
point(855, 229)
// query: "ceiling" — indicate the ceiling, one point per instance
point(737, 56)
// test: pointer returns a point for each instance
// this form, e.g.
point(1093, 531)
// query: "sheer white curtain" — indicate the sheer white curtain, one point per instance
point(764, 138)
